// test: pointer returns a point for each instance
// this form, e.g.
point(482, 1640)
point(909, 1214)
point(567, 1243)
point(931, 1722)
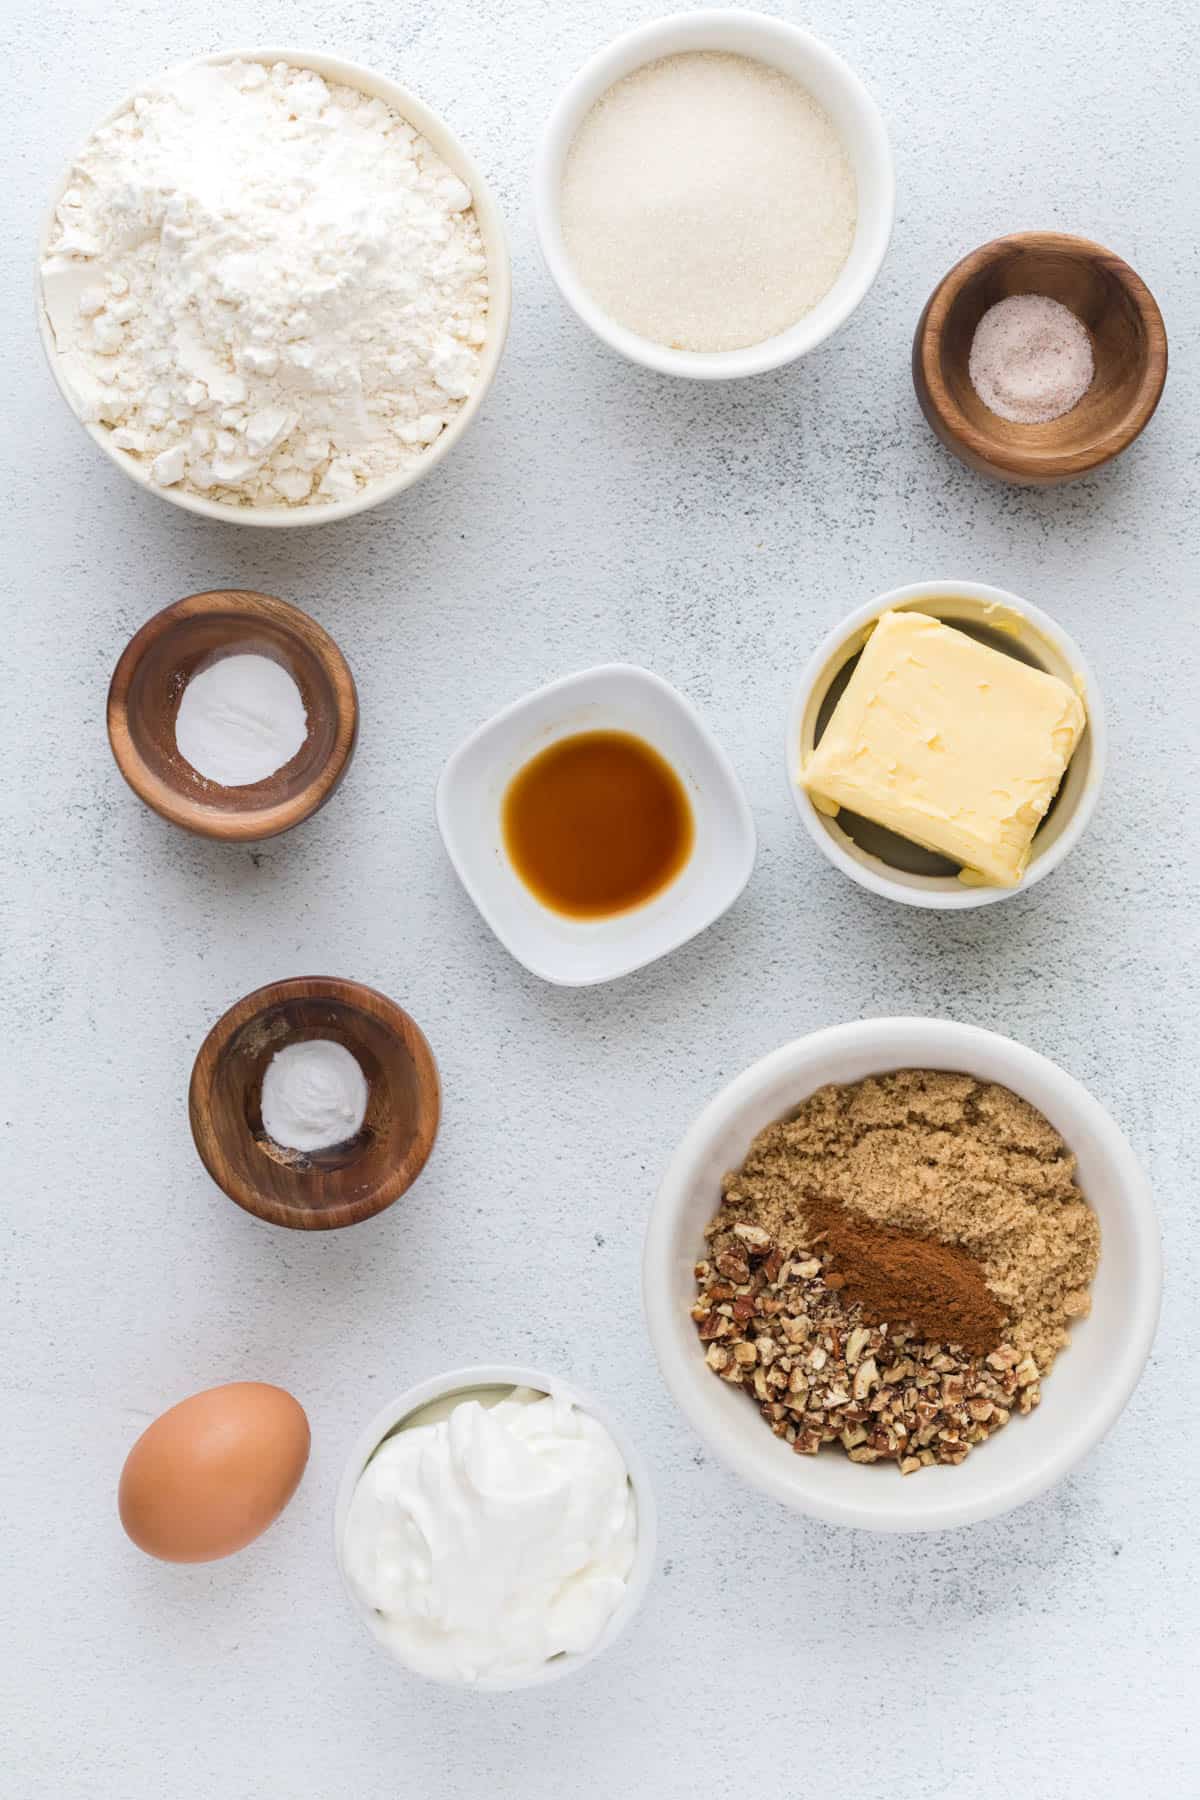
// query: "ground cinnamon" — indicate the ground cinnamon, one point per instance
point(899, 1277)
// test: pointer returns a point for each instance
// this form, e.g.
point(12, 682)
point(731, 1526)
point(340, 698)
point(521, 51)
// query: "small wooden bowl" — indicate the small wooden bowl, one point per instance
point(1129, 343)
point(322, 1189)
point(148, 684)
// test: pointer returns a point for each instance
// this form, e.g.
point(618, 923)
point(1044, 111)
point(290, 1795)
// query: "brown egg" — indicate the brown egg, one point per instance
point(212, 1473)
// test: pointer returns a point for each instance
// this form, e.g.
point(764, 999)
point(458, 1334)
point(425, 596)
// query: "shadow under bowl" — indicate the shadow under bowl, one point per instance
point(324, 1189)
point(1129, 345)
point(148, 684)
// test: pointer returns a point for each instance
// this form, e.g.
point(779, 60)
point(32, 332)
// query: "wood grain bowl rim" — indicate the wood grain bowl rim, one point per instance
point(227, 826)
point(357, 997)
point(1031, 464)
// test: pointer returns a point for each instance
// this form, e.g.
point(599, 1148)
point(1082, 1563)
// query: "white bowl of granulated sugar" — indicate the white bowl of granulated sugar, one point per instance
point(268, 363)
point(714, 194)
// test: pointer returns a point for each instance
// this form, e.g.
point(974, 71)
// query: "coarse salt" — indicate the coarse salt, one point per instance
point(708, 202)
point(1031, 359)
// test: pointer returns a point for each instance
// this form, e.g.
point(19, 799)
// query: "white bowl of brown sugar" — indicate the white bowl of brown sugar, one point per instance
point(903, 1274)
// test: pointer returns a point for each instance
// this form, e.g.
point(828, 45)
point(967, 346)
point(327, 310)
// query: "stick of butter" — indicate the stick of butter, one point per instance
point(951, 744)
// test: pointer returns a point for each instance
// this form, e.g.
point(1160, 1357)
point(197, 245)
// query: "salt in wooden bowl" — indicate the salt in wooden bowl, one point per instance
point(1129, 344)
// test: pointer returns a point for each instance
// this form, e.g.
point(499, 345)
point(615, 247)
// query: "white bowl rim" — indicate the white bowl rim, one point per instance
point(867, 875)
point(561, 685)
point(499, 268)
point(904, 1042)
point(662, 37)
point(485, 1375)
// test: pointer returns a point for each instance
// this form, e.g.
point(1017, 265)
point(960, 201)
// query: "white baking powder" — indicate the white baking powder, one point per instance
point(314, 1095)
point(268, 289)
point(708, 202)
point(240, 720)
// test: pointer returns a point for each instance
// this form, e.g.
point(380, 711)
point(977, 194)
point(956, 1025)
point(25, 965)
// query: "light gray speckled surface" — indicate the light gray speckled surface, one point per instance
point(711, 533)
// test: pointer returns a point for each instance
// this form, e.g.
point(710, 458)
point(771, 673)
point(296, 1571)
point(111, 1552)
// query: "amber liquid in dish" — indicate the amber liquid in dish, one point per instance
point(596, 824)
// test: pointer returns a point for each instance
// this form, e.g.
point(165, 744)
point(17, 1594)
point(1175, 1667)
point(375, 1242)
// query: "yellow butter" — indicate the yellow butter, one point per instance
point(948, 742)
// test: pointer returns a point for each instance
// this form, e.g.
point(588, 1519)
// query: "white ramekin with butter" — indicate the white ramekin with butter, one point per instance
point(946, 745)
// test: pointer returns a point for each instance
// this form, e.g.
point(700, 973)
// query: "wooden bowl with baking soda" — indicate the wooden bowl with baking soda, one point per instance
point(306, 713)
point(274, 1064)
point(1128, 346)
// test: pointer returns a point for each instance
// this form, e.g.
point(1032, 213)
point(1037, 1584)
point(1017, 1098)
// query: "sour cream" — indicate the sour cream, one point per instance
point(493, 1539)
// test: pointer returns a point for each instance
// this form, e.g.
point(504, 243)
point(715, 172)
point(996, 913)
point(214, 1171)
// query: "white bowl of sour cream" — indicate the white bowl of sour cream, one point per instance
point(495, 1528)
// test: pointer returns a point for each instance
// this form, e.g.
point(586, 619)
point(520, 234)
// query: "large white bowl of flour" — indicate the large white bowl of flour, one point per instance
point(273, 287)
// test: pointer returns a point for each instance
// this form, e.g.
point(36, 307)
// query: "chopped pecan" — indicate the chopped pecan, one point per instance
point(774, 1320)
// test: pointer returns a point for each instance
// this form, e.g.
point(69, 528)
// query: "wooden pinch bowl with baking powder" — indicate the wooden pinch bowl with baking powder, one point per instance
point(316, 1190)
point(148, 684)
point(1129, 343)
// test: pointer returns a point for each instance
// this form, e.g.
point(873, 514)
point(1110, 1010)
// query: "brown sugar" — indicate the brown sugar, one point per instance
point(942, 1155)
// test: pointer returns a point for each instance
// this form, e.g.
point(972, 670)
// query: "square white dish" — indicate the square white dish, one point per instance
point(580, 952)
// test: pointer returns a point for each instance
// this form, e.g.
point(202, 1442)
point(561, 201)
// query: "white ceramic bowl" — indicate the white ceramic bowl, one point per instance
point(1014, 621)
point(464, 1382)
point(580, 952)
point(491, 226)
point(830, 81)
point(1090, 1382)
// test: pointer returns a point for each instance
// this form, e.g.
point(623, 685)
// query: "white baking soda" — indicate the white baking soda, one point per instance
point(240, 720)
point(314, 1095)
point(708, 202)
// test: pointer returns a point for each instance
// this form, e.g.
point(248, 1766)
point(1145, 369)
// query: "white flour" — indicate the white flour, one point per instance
point(271, 290)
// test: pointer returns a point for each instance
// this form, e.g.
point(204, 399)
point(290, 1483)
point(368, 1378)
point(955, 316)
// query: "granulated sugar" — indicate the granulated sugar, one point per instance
point(707, 202)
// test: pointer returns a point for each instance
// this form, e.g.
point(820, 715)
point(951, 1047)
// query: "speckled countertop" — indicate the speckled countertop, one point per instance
point(712, 533)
